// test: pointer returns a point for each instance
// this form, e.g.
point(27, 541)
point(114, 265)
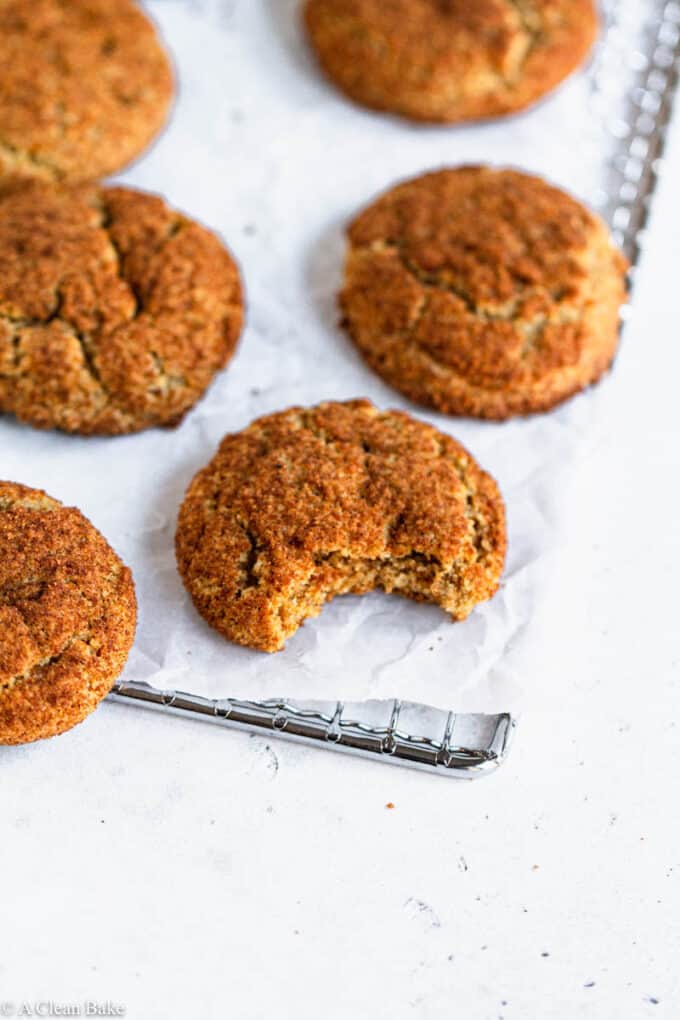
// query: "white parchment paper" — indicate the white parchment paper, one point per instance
point(261, 149)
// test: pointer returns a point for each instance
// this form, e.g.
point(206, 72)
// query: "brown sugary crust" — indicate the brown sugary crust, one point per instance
point(84, 87)
point(340, 498)
point(115, 311)
point(449, 60)
point(67, 616)
point(483, 292)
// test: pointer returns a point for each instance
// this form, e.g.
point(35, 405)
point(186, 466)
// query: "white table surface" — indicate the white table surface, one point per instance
point(181, 871)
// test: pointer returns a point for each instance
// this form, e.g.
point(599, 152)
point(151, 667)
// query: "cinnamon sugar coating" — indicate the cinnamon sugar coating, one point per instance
point(340, 498)
point(483, 292)
point(115, 311)
point(84, 87)
point(449, 60)
point(67, 616)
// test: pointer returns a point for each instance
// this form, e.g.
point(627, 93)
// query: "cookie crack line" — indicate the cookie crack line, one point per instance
point(176, 224)
point(105, 222)
point(476, 522)
point(19, 156)
point(89, 343)
point(10, 594)
point(432, 281)
point(51, 660)
point(86, 636)
point(531, 328)
point(89, 361)
point(84, 341)
point(524, 10)
point(249, 559)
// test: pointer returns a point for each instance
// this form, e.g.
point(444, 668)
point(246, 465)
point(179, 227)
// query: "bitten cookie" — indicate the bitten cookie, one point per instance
point(449, 60)
point(115, 311)
point(84, 87)
point(67, 616)
point(341, 498)
point(483, 292)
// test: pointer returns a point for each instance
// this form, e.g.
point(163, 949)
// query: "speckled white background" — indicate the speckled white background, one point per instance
point(185, 872)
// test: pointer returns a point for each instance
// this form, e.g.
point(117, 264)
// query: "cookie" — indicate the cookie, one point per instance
point(337, 499)
point(67, 616)
point(85, 85)
point(449, 60)
point(483, 292)
point(115, 311)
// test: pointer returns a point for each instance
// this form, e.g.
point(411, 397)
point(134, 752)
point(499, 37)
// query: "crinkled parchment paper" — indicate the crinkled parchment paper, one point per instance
point(261, 149)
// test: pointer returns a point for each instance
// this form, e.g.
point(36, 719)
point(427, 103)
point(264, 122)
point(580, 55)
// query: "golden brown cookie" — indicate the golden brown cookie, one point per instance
point(449, 60)
point(483, 292)
point(115, 311)
point(84, 87)
point(337, 499)
point(67, 616)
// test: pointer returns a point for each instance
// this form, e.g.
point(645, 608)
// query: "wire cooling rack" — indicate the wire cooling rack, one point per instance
point(640, 49)
point(633, 79)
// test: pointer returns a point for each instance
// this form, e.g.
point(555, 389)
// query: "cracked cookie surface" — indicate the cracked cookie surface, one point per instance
point(67, 615)
point(449, 60)
point(84, 87)
point(483, 292)
point(336, 499)
point(115, 311)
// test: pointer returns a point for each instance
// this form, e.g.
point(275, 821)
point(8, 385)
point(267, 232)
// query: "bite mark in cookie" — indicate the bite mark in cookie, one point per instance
point(341, 498)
